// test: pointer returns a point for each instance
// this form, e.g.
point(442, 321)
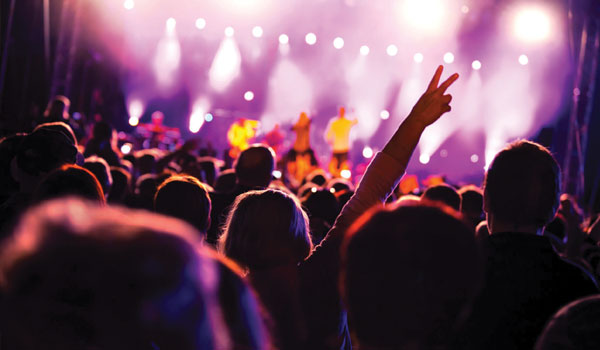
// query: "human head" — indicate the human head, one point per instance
point(157, 118)
point(265, 229)
point(186, 198)
point(58, 109)
point(69, 180)
point(39, 153)
point(254, 167)
point(409, 275)
point(99, 167)
point(342, 112)
point(8, 150)
point(521, 187)
point(79, 275)
point(60, 127)
point(444, 194)
point(102, 131)
point(120, 186)
point(471, 203)
point(575, 326)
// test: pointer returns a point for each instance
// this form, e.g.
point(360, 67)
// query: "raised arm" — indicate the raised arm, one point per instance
point(386, 169)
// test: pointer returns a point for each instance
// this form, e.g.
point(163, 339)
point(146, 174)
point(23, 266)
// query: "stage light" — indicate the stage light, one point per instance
point(444, 153)
point(229, 32)
point(392, 50)
point(476, 65)
point(310, 38)
point(200, 23)
point(523, 60)
point(171, 24)
point(249, 96)
point(367, 152)
point(338, 43)
point(284, 39)
point(226, 65)
point(474, 158)
point(448, 57)
point(364, 50)
point(257, 32)
point(532, 25)
point(425, 16)
point(136, 109)
point(464, 9)
point(129, 4)
point(313, 189)
point(418, 57)
point(332, 190)
point(208, 117)
point(126, 148)
point(196, 121)
point(424, 158)
point(384, 114)
point(277, 174)
point(346, 174)
point(133, 121)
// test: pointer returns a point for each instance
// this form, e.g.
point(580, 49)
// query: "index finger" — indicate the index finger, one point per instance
point(433, 84)
point(447, 83)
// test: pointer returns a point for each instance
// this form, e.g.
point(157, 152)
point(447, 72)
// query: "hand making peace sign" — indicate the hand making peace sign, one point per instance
point(433, 103)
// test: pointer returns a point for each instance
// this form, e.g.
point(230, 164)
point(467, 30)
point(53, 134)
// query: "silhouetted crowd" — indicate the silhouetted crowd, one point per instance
point(170, 250)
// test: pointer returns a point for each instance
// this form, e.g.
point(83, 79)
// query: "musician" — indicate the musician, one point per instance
point(338, 136)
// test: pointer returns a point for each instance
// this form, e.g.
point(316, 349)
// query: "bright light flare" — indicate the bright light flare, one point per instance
point(136, 109)
point(133, 121)
point(129, 4)
point(249, 95)
point(392, 50)
point(257, 32)
point(523, 60)
point(418, 57)
point(277, 174)
point(200, 23)
point(170, 25)
point(448, 57)
point(197, 118)
point(474, 158)
point(364, 50)
point(225, 66)
point(310, 38)
point(384, 114)
point(425, 16)
point(126, 148)
point(284, 39)
point(367, 152)
point(338, 43)
point(346, 174)
point(208, 117)
point(424, 158)
point(229, 31)
point(476, 65)
point(532, 25)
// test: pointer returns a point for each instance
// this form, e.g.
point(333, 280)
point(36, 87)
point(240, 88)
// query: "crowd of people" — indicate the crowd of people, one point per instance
point(169, 250)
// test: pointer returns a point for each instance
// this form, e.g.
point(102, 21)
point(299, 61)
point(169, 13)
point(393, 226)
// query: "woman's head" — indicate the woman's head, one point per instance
point(265, 229)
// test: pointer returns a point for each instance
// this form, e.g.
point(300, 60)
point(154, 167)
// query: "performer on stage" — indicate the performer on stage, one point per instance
point(338, 136)
point(158, 135)
point(274, 139)
point(301, 159)
point(239, 135)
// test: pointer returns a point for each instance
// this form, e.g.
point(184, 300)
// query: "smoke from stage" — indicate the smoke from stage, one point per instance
point(205, 64)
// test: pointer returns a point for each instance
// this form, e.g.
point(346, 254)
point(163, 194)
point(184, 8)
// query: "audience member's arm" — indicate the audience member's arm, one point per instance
point(387, 168)
point(187, 147)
